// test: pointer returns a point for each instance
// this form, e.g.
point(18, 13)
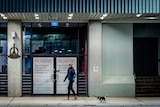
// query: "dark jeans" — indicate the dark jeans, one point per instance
point(70, 87)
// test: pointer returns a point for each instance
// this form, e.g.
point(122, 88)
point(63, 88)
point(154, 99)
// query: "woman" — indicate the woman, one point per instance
point(71, 77)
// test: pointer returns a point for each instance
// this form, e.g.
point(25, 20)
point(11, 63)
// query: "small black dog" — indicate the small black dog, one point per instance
point(102, 98)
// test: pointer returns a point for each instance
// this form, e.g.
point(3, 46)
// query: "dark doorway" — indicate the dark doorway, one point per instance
point(146, 56)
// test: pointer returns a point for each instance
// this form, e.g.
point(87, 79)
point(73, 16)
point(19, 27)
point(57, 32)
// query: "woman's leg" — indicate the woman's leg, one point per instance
point(71, 87)
point(73, 90)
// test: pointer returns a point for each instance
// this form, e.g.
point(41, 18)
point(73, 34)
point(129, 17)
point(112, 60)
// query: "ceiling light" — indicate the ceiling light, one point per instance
point(2, 15)
point(5, 17)
point(151, 18)
point(138, 15)
point(70, 15)
point(36, 15)
point(102, 18)
point(105, 15)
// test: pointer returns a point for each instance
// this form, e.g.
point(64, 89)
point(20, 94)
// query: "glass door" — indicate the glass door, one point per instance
point(62, 66)
point(43, 78)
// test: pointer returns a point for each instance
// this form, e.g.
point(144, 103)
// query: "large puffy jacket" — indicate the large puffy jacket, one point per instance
point(70, 74)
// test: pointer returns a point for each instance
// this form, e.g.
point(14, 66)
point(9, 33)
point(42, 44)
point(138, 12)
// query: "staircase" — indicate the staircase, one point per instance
point(27, 84)
point(82, 84)
point(148, 86)
point(3, 84)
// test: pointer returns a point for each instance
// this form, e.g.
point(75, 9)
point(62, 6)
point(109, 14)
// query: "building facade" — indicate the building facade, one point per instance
point(113, 44)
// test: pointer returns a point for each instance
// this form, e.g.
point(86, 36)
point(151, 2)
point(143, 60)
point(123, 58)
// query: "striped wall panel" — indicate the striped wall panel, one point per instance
point(81, 6)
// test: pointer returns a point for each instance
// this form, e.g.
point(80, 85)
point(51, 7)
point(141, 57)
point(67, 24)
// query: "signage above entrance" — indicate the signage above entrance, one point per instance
point(54, 23)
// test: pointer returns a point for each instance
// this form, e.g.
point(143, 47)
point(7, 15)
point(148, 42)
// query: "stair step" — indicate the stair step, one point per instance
point(147, 86)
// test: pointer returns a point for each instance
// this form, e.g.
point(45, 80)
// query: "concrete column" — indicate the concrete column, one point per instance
point(95, 57)
point(15, 65)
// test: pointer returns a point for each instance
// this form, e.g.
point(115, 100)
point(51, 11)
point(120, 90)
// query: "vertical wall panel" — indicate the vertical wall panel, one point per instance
point(112, 6)
point(10, 6)
point(115, 6)
point(2, 5)
point(105, 6)
point(76, 6)
point(34, 6)
point(24, 7)
point(28, 5)
point(38, 6)
point(101, 11)
point(14, 5)
point(80, 6)
point(133, 6)
point(140, 6)
point(137, 5)
point(20, 7)
point(59, 5)
point(52, 5)
point(6, 9)
point(69, 6)
point(109, 6)
point(151, 6)
point(55, 5)
point(90, 10)
point(63, 6)
point(126, 6)
point(84, 5)
point(73, 5)
point(130, 6)
point(144, 6)
point(87, 6)
point(119, 6)
point(158, 6)
point(123, 6)
point(154, 6)
point(94, 6)
point(147, 6)
point(98, 7)
point(45, 5)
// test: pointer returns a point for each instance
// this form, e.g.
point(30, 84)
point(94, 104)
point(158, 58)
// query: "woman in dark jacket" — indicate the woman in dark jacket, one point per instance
point(71, 77)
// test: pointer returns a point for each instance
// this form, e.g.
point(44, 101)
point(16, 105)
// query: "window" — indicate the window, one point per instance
point(3, 47)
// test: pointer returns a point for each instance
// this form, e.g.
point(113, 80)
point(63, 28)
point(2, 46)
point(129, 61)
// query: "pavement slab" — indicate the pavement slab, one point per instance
point(80, 102)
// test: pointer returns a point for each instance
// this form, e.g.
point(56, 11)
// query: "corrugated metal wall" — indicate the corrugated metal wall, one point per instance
point(81, 6)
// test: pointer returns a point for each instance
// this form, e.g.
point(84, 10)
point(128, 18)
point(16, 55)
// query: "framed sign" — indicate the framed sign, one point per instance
point(62, 67)
point(43, 75)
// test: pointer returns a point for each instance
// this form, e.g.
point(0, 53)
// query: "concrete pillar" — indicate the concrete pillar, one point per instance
point(95, 57)
point(15, 65)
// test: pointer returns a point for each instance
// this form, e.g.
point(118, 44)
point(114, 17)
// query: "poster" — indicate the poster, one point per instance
point(95, 68)
point(62, 66)
point(43, 75)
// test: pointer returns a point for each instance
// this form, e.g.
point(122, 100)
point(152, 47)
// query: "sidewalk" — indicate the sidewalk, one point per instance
point(82, 101)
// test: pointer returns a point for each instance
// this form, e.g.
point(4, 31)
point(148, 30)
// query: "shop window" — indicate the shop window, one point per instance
point(3, 47)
